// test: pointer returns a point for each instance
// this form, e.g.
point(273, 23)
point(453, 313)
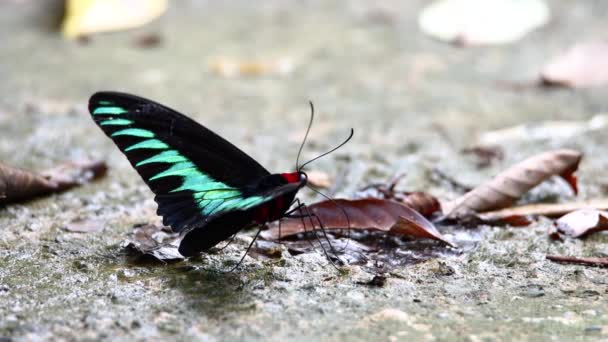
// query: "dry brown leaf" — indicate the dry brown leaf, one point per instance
point(508, 186)
point(423, 202)
point(406, 226)
point(19, 184)
point(599, 262)
point(543, 209)
point(582, 222)
point(370, 213)
point(584, 65)
point(158, 242)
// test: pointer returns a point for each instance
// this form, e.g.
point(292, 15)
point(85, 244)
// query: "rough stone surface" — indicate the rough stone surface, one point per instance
point(414, 104)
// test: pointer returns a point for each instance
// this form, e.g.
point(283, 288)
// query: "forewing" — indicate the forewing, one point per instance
point(194, 173)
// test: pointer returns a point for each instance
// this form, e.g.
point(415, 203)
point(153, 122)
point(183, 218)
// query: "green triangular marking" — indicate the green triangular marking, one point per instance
point(150, 143)
point(136, 132)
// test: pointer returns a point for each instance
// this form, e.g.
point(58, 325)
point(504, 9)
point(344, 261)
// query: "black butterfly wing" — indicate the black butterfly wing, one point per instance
point(225, 225)
point(194, 173)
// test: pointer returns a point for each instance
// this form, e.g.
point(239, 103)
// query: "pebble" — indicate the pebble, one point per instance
point(533, 291)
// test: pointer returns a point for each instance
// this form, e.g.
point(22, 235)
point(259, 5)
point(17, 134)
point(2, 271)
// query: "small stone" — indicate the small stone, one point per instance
point(593, 329)
point(443, 315)
point(591, 313)
point(533, 291)
point(83, 266)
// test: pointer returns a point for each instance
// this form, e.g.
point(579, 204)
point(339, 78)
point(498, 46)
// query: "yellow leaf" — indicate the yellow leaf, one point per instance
point(85, 17)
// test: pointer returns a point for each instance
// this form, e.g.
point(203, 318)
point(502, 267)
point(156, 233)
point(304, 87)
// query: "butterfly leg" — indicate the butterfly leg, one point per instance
point(298, 207)
point(312, 217)
point(246, 251)
point(289, 214)
point(232, 238)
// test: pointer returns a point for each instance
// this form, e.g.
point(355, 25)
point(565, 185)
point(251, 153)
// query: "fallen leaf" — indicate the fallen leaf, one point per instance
point(599, 262)
point(319, 179)
point(407, 226)
point(474, 22)
point(423, 202)
point(583, 65)
point(266, 250)
point(372, 214)
point(508, 186)
point(85, 17)
point(233, 68)
point(158, 242)
point(543, 209)
point(19, 184)
point(582, 222)
point(554, 129)
point(85, 226)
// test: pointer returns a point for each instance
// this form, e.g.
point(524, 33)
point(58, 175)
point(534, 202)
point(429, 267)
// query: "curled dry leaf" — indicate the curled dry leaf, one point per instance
point(598, 262)
point(373, 214)
point(474, 22)
point(19, 184)
point(582, 222)
point(584, 65)
point(154, 241)
point(508, 186)
point(232, 68)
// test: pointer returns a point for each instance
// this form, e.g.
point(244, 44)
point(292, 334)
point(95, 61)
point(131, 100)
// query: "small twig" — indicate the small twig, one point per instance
point(544, 209)
point(596, 262)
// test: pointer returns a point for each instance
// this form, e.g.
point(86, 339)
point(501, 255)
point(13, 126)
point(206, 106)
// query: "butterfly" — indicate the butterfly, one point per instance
point(205, 187)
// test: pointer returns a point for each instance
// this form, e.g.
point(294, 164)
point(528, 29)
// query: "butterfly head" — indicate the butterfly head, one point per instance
point(296, 177)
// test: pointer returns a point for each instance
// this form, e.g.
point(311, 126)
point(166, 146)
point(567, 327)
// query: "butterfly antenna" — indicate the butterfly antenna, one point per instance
point(352, 132)
point(312, 117)
point(343, 211)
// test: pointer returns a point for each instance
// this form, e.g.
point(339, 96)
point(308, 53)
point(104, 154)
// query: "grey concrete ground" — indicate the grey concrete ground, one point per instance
point(414, 104)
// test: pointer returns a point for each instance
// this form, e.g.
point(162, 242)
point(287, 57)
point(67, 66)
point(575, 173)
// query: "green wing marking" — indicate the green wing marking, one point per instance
point(207, 194)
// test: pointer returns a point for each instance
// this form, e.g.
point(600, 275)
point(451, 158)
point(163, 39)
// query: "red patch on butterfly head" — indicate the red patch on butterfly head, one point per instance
point(293, 177)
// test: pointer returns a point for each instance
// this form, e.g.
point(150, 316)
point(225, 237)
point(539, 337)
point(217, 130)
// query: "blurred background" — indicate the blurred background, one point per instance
point(247, 71)
point(419, 81)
